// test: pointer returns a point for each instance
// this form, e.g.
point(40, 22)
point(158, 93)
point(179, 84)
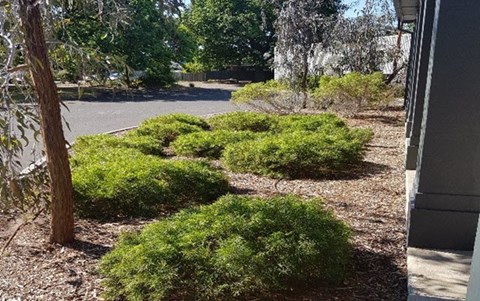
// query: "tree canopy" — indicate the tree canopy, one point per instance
point(232, 32)
point(362, 42)
point(147, 36)
point(303, 25)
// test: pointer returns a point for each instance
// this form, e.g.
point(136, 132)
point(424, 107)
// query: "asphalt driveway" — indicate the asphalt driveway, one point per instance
point(109, 112)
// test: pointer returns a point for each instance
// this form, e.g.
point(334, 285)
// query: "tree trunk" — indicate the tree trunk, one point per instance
point(395, 68)
point(304, 80)
point(61, 191)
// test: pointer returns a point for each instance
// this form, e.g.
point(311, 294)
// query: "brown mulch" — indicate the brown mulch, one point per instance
point(370, 199)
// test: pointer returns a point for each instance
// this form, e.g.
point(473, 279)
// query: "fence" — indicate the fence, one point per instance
point(252, 76)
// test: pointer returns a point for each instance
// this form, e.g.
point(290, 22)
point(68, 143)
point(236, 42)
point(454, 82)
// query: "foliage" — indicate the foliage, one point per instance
point(148, 36)
point(167, 128)
point(243, 121)
point(232, 32)
point(112, 182)
point(298, 154)
point(194, 66)
point(19, 120)
point(208, 144)
point(236, 248)
point(83, 40)
point(145, 144)
point(353, 92)
point(235, 127)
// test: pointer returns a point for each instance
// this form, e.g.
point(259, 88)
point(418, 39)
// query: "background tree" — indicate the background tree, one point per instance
point(369, 41)
point(148, 36)
point(232, 32)
point(301, 27)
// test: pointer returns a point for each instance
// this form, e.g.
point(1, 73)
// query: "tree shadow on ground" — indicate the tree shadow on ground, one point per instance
point(92, 250)
point(135, 95)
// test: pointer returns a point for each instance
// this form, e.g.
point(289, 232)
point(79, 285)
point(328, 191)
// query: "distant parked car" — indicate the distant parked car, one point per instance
point(114, 75)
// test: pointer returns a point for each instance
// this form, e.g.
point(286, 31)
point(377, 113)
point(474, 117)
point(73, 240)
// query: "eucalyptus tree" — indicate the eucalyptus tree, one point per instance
point(367, 42)
point(301, 26)
point(30, 101)
point(25, 46)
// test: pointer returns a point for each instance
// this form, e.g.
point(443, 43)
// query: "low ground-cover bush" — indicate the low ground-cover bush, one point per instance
point(244, 121)
point(235, 127)
point(124, 182)
point(145, 144)
point(353, 92)
point(208, 144)
point(167, 128)
point(236, 248)
point(298, 154)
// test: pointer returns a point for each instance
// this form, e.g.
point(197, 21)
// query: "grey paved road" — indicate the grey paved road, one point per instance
point(107, 113)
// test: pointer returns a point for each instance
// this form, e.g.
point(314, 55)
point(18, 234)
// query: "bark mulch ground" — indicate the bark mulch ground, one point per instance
point(370, 199)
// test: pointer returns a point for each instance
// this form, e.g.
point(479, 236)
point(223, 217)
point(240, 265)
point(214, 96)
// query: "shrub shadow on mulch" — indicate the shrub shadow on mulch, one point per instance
point(390, 120)
point(361, 170)
point(373, 276)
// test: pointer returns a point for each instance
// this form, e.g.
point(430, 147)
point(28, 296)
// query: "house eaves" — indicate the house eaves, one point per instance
point(406, 10)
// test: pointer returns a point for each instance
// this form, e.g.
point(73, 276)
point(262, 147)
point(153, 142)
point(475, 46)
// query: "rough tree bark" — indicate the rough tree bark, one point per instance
point(61, 191)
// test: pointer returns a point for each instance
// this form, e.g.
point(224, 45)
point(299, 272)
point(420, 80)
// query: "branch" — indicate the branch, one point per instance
point(19, 227)
point(18, 68)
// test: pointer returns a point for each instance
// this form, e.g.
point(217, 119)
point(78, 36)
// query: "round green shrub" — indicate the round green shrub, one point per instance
point(208, 144)
point(244, 121)
point(237, 248)
point(353, 92)
point(145, 144)
point(166, 129)
point(117, 182)
point(297, 154)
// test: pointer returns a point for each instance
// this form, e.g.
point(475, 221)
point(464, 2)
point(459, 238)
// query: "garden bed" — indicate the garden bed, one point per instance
point(370, 199)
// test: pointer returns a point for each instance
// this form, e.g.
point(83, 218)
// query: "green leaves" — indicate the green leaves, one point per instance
point(238, 248)
point(244, 121)
point(232, 32)
point(145, 35)
point(208, 144)
point(301, 146)
point(353, 90)
point(116, 181)
point(167, 128)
